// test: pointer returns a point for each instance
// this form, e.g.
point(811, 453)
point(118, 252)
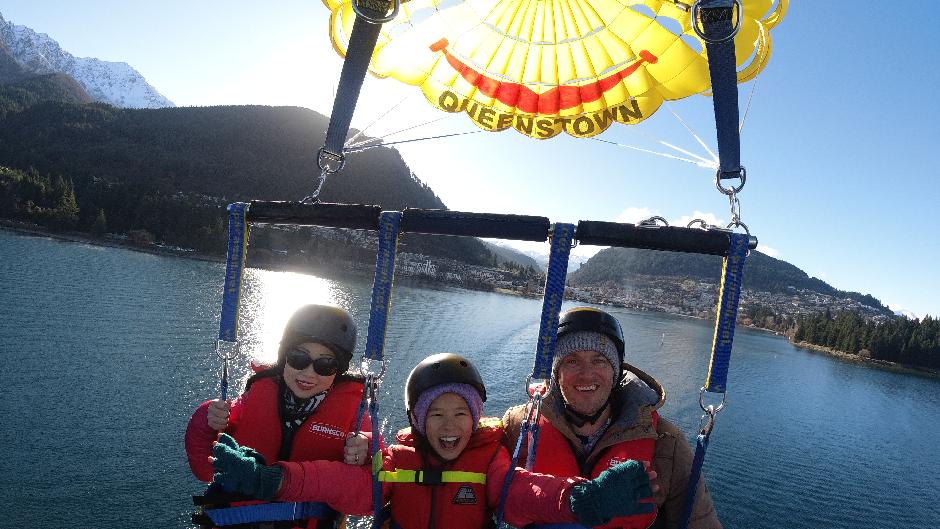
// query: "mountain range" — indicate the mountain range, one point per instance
point(115, 83)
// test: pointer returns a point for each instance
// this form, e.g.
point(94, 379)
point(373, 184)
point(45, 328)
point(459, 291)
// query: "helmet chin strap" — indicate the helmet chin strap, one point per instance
point(579, 419)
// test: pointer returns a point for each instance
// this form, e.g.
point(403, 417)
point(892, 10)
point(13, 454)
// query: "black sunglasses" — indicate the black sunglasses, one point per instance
point(324, 366)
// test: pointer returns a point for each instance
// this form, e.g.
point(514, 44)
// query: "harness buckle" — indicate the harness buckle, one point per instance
point(429, 477)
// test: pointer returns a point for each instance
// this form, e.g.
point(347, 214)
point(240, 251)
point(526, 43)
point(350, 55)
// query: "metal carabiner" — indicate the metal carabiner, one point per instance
point(396, 4)
point(694, 14)
point(710, 408)
point(653, 222)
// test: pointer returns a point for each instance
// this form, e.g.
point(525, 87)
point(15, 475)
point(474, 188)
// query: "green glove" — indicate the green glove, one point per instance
point(616, 492)
point(242, 469)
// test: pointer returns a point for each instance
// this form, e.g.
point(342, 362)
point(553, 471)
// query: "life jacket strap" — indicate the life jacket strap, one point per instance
point(431, 477)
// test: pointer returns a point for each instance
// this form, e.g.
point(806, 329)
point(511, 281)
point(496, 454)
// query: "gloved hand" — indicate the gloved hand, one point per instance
point(242, 469)
point(616, 492)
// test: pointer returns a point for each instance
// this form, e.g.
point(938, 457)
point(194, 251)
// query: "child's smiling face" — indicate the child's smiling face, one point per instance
point(449, 425)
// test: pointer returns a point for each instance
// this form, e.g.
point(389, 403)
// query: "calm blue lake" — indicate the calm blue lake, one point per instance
point(106, 352)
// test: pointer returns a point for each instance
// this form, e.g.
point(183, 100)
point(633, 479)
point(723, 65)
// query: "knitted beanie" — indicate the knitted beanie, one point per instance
point(465, 391)
point(586, 341)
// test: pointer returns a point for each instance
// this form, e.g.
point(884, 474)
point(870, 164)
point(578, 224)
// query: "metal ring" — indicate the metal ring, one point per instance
point(364, 367)
point(233, 347)
point(732, 190)
point(325, 157)
point(698, 31)
point(700, 222)
point(710, 408)
point(377, 20)
point(740, 224)
point(652, 222)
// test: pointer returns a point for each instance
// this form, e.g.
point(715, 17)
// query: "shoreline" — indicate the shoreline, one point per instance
point(867, 362)
point(37, 231)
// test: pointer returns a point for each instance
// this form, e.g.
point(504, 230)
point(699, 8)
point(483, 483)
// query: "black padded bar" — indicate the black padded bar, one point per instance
point(351, 216)
point(491, 225)
point(670, 238)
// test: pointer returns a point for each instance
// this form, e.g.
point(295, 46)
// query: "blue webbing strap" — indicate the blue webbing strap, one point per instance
point(234, 265)
point(562, 235)
point(534, 430)
point(377, 500)
point(732, 272)
point(358, 56)
point(700, 446)
point(523, 434)
point(231, 290)
point(389, 224)
point(717, 25)
point(269, 512)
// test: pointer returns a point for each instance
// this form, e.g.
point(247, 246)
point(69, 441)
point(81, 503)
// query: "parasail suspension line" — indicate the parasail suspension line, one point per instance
point(747, 107)
point(384, 144)
point(379, 138)
point(663, 154)
point(361, 132)
point(694, 135)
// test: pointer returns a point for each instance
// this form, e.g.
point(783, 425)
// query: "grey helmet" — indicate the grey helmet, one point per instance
point(330, 326)
point(441, 368)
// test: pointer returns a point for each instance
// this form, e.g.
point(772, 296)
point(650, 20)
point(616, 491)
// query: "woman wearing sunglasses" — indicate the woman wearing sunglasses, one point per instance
point(303, 408)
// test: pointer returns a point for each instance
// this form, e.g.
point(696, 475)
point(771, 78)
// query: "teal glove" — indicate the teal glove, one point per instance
point(242, 469)
point(616, 492)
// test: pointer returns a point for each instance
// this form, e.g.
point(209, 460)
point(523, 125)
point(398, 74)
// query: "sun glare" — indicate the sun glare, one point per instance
point(268, 301)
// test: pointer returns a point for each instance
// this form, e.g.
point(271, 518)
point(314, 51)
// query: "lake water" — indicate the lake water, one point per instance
point(106, 352)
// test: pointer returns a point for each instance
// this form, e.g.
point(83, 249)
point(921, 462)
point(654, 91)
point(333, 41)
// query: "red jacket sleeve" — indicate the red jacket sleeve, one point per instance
point(532, 497)
point(346, 488)
point(198, 440)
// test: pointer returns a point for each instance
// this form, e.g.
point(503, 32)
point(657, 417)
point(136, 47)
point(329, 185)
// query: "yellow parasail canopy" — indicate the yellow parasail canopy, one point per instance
point(546, 66)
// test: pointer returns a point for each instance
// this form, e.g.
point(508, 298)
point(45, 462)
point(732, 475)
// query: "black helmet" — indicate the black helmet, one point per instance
point(442, 368)
point(591, 319)
point(330, 326)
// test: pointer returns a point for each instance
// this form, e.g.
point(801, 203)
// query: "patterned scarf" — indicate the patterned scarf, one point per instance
point(296, 410)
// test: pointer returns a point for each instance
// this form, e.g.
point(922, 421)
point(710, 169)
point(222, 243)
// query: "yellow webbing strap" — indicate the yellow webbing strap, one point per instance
point(417, 476)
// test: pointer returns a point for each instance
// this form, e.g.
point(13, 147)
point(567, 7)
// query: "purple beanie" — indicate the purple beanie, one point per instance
point(464, 391)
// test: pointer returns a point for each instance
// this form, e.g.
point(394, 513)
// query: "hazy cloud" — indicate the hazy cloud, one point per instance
point(634, 215)
point(710, 218)
point(767, 250)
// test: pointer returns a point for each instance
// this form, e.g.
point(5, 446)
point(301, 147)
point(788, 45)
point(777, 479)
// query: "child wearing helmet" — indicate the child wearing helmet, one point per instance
point(302, 408)
point(446, 471)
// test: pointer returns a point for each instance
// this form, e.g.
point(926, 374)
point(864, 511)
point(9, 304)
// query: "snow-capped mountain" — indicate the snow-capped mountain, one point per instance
point(116, 83)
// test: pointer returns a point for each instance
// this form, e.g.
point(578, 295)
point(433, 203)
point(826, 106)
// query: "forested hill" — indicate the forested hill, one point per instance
point(236, 152)
point(761, 272)
point(140, 169)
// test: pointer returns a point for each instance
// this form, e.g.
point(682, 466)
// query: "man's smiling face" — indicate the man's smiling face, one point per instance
point(586, 379)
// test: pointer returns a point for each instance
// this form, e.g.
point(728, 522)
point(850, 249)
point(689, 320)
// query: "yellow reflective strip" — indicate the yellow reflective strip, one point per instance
point(456, 476)
point(397, 476)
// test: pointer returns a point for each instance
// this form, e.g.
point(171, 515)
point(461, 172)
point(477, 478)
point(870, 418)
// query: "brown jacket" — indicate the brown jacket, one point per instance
point(633, 403)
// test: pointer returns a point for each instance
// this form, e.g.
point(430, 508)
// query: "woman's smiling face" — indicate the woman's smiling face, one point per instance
point(305, 383)
point(449, 425)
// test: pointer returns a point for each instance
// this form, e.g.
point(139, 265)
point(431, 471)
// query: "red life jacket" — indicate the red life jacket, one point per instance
point(457, 504)
point(322, 435)
point(555, 456)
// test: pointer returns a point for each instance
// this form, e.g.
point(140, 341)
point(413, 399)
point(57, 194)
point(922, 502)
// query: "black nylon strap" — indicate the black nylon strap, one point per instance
point(358, 55)
point(717, 24)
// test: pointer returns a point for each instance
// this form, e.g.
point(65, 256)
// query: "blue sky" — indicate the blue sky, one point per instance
point(840, 141)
